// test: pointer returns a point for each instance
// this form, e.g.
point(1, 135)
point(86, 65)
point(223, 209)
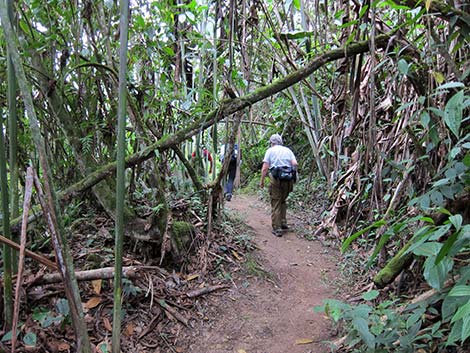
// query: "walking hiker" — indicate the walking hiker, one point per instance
point(232, 170)
point(281, 164)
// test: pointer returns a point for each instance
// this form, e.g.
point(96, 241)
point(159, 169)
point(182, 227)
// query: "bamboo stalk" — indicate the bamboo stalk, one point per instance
point(28, 190)
point(120, 176)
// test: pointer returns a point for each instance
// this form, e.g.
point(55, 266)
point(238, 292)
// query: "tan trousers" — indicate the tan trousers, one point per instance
point(278, 191)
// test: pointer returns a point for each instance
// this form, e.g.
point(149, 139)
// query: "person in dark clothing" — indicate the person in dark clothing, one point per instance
point(232, 171)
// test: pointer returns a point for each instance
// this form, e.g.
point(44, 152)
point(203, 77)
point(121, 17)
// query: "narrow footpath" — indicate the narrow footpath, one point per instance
point(273, 314)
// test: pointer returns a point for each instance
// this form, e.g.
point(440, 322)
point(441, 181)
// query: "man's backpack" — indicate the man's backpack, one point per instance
point(234, 153)
point(284, 173)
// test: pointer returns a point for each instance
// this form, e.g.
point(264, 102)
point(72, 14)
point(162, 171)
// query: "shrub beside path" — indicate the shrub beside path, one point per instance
point(272, 313)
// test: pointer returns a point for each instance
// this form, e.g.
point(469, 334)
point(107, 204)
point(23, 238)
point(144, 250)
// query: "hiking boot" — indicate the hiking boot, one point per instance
point(277, 232)
point(228, 197)
point(284, 226)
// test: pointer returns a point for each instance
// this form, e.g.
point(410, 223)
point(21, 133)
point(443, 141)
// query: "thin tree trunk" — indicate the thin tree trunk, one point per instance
point(120, 176)
point(7, 258)
point(13, 137)
point(28, 190)
point(62, 251)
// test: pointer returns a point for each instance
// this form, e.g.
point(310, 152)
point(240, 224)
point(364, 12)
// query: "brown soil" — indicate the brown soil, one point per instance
point(271, 313)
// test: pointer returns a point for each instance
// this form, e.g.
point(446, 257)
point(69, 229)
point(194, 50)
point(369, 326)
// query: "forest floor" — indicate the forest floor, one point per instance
point(271, 312)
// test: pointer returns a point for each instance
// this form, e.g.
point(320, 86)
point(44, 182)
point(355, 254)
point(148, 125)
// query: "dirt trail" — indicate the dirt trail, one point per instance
point(263, 316)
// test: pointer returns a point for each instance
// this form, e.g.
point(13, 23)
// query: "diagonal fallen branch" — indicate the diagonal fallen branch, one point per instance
point(39, 258)
point(173, 312)
point(205, 290)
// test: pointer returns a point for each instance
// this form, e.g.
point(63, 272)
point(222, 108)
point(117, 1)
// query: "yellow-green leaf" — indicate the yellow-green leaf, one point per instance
point(304, 341)
point(428, 5)
point(438, 76)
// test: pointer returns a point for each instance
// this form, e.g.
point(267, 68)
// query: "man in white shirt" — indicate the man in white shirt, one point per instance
point(280, 161)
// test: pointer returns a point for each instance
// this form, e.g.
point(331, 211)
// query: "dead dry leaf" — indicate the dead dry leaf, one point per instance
point(63, 346)
point(130, 328)
point(97, 285)
point(241, 351)
point(93, 302)
point(304, 341)
point(107, 324)
point(239, 258)
point(191, 277)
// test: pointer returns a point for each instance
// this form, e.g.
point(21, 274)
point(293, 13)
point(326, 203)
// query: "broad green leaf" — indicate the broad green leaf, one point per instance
point(371, 295)
point(453, 113)
point(428, 249)
point(403, 67)
point(436, 274)
point(296, 4)
point(436, 198)
point(30, 339)
point(362, 327)
point(460, 291)
point(62, 306)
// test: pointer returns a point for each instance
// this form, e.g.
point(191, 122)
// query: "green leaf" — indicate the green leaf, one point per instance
point(460, 291)
point(62, 306)
point(446, 247)
point(456, 220)
point(30, 339)
point(453, 113)
point(362, 327)
point(403, 67)
point(296, 4)
point(7, 336)
point(465, 327)
point(356, 235)
point(428, 249)
point(436, 274)
point(425, 119)
point(449, 85)
point(371, 295)
point(455, 333)
point(444, 181)
point(466, 160)
point(461, 312)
